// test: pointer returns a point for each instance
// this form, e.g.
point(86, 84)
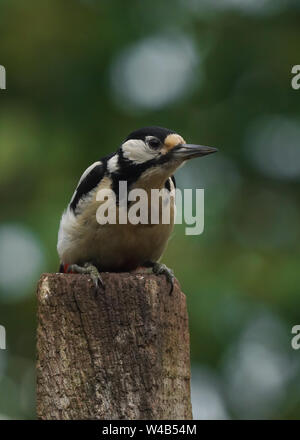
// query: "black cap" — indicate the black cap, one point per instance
point(159, 132)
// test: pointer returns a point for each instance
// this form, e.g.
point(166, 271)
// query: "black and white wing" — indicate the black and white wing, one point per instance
point(88, 181)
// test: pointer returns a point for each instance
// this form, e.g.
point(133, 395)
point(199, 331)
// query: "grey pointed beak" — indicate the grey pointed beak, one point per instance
point(189, 151)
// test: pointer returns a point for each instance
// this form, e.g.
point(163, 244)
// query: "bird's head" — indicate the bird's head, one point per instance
point(157, 151)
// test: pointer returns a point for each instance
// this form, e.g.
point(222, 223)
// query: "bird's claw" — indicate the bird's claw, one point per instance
point(162, 269)
point(91, 270)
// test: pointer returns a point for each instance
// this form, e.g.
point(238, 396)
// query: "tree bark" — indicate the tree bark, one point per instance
point(122, 353)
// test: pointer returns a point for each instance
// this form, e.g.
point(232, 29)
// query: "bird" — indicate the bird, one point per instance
point(146, 159)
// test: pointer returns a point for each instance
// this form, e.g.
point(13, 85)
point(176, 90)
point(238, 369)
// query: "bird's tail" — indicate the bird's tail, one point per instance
point(63, 268)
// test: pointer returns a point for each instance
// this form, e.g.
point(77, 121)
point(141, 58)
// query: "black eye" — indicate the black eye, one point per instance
point(154, 143)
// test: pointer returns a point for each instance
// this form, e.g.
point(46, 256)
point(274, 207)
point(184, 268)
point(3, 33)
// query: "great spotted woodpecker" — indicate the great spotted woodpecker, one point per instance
point(146, 159)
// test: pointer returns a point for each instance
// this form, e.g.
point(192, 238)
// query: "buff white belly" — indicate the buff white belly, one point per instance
point(112, 247)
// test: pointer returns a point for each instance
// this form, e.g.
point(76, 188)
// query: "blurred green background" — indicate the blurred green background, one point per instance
point(80, 76)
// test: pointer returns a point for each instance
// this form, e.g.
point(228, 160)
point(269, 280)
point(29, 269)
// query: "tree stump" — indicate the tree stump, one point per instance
point(121, 353)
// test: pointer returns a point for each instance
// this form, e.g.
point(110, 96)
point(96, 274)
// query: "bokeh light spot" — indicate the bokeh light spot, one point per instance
point(207, 401)
point(21, 260)
point(272, 143)
point(154, 72)
point(255, 7)
point(258, 370)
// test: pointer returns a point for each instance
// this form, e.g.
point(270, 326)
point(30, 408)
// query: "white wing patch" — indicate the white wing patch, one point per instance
point(86, 172)
point(112, 164)
point(137, 151)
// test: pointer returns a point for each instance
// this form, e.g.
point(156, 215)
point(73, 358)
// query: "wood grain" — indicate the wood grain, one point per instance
point(121, 353)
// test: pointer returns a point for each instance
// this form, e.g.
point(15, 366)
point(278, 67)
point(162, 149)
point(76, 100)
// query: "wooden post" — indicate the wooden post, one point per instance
point(120, 354)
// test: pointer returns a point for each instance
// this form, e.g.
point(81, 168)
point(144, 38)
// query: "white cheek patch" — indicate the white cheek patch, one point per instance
point(137, 151)
point(112, 164)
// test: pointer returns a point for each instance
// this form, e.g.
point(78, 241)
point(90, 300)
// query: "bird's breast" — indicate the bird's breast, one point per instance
point(113, 246)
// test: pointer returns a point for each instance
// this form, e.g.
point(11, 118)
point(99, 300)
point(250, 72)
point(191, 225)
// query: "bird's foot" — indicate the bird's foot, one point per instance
point(162, 269)
point(89, 269)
